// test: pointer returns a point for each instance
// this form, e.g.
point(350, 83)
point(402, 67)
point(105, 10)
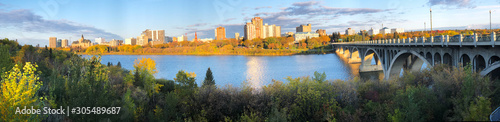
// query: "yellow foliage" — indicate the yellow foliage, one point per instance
point(147, 63)
point(18, 90)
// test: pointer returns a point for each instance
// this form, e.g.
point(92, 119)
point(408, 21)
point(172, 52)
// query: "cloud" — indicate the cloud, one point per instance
point(27, 21)
point(197, 25)
point(229, 19)
point(452, 3)
point(310, 12)
point(257, 8)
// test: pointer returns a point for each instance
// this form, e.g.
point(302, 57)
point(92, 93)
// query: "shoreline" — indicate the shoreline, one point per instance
point(210, 54)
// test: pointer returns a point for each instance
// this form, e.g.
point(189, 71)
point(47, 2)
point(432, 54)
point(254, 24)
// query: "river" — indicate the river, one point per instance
point(235, 70)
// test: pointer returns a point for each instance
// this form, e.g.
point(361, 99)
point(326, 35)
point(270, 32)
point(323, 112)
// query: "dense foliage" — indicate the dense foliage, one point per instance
point(267, 46)
point(441, 93)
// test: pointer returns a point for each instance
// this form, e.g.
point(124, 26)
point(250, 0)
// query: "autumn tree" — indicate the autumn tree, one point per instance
point(18, 90)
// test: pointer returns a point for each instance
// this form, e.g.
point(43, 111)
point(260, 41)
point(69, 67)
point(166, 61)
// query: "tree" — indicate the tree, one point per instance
point(5, 61)
point(209, 79)
point(119, 64)
point(18, 90)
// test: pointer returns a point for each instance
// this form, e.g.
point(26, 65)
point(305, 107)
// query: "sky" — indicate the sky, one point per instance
point(34, 21)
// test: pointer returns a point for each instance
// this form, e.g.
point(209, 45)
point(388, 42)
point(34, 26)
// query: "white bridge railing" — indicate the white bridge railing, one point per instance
point(442, 40)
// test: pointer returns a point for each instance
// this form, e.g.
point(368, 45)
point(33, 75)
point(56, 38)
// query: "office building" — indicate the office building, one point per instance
point(155, 35)
point(58, 43)
point(350, 31)
point(130, 41)
point(372, 32)
point(100, 40)
point(169, 39)
point(397, 30)
point(385, 30)
point(64, 43)
point(52, 42)
point(304, 28)
point(142, 40)
point(220, 33)
point(299, 36)
point(236, 35)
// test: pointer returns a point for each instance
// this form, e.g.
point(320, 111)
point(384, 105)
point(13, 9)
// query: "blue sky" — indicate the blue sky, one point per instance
point(34, 21)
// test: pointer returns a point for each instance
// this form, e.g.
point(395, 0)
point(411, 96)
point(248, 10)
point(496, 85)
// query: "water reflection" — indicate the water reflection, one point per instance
point(255, 71)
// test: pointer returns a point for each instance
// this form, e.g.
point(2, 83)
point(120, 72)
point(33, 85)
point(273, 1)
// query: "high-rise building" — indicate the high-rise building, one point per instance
point(155, 35)
point(321, 32)
point(64, 43)
point(249, 29)
point(58, 43)
point(372, 32)
point(304, 28)
point(220, 33)
point(268, 30)
point(257, 22)
point(174, 39)
point(100, 40)
point(350, 31)
point(277, 31)
point(236, 35)
point(130, 41)
point(142, 40)
point(52, 42)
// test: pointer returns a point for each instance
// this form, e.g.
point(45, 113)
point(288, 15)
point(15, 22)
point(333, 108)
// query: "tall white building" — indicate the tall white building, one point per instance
point(268, 30)
point(397, 30)
point(182, 38)
point(372, 32)
point(100, 40)
point(350, 31)
point(385, 30)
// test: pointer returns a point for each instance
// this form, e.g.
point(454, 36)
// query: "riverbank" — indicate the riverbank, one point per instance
point(245, 52)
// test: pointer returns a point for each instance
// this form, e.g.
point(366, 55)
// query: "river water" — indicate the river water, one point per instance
point(235, 70)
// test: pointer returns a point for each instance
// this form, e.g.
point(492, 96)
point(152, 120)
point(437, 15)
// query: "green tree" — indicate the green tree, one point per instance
point(209, 79)
point(479, 110)
point(5, 61)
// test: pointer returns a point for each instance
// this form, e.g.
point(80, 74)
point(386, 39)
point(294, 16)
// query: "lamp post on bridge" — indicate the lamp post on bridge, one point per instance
point(431, 20)
point(490, 23)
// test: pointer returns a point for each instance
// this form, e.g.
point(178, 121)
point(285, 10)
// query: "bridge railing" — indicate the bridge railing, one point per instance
point(443, 40)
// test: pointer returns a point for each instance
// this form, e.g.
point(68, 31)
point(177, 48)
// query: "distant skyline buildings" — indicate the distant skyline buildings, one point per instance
point(303, 28)
point(220, 33)
point(333, 16)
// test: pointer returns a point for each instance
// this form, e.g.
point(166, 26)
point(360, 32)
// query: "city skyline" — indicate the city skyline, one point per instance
point(33, 22)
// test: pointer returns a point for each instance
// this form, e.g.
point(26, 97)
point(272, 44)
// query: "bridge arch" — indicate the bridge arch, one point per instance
point(464, 60)
point(493, 59)
point(409, 60)
point(355, 57)
point(447, 59)
point(428, 57)
point(437, 58)
point(479, 62)
point(369, 56)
